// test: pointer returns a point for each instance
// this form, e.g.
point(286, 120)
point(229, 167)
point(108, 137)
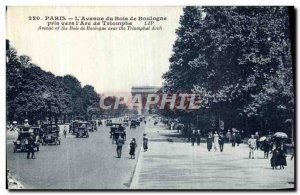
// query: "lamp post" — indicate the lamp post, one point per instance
point(46, 95)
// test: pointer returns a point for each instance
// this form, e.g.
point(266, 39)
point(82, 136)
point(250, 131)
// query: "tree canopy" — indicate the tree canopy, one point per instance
point(36, 94)
point(238, 60)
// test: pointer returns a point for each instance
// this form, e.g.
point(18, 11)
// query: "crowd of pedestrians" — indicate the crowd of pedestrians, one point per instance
point(215, 141)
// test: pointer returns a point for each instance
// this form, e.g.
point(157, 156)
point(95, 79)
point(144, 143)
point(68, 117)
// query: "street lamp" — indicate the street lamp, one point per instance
point(46, 95)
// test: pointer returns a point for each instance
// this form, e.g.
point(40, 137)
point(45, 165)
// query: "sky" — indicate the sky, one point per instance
point(111, 61)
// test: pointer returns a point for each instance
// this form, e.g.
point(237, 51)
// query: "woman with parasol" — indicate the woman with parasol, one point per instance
point(279, 151)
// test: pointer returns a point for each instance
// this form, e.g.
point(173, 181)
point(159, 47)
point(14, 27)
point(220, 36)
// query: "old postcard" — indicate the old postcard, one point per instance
point(150, 98)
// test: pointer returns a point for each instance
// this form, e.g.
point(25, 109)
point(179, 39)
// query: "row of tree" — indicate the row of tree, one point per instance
point(37, 95)
point(238, 60)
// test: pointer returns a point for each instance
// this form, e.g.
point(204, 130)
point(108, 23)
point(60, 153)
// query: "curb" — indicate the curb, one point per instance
point(137, 169)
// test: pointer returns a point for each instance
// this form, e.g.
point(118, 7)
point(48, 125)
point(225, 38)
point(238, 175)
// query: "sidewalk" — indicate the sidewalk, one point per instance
point(178, 165)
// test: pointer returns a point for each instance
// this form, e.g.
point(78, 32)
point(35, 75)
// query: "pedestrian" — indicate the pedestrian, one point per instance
point(266, 147)
point(209, 141)
point(282, 155)
point(198, 137)
point(233, 139)
point(252, 146)
point(228, 136)
point(120, 142)
point(193, 138)
point(145, 142)
point(221, 141)
point(189, 132)
point(30, 148)
point(216, 141)
point(274, 158)
point(132, 146)
point(238, 138)
point(65, 131)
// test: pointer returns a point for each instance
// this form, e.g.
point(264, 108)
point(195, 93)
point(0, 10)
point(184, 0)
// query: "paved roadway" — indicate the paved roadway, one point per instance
point(178, 165)
point(78, 163)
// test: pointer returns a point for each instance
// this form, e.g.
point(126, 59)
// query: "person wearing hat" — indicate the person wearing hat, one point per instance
point(26, 122)
point(30, 148)
point(145, 142)
point(120, 143)
point(132, 146)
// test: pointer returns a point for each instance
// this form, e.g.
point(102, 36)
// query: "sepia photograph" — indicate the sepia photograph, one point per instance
point(138, 98)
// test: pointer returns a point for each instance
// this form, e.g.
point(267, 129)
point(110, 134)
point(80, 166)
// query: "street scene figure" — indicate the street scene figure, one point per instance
point(233, 139)
point(266, 148)
point(30, 147)
point(216, 141)
point(252, 146)
point(238, 138)
point(221, 141)
point(120, 143)
point(209, 141)
point(133, 146)
point(193, 137)
point(228, 136)
point(65, 132)
point(198, 137)
point(145, 142)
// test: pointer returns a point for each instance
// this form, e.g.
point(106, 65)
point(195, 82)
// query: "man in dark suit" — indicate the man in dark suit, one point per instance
point(30, 148)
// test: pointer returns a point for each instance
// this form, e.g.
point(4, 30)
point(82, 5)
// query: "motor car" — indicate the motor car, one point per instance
point(108, 122)
point(82, 130)
point(133, 125)
point(51, 134)
point(24, 133)
point(117, 130)
point(92, 125)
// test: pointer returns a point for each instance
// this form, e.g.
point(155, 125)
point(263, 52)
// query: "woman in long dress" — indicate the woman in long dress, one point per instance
point(216, 141)
point(133, 146)
point(145, 143)
point(209, 141)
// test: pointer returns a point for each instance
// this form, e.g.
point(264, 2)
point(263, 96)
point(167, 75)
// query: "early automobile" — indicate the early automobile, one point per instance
point(82, 130)
point(51, 134)
point(38, 132)
point(21, 144)
point(108, 122)
point(73, 127)
point(117, 130)
point(126, 122)
point(133, 125)
point(92, 125)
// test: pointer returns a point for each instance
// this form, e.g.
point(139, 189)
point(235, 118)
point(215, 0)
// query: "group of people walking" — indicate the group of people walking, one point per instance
point(132, 146)
point(215, 141)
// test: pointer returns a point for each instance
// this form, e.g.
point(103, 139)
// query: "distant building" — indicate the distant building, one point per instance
point(144, 91)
